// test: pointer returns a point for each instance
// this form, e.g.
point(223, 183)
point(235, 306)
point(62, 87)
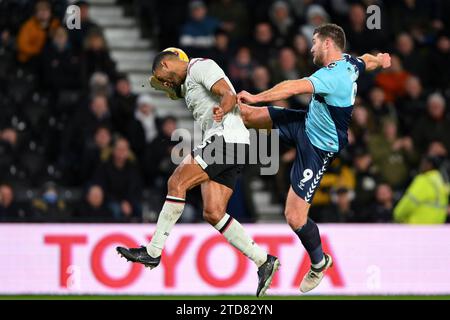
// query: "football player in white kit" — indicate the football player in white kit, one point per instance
point(206, 90)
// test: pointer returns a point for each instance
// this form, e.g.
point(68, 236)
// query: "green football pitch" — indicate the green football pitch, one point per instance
point(228, 297)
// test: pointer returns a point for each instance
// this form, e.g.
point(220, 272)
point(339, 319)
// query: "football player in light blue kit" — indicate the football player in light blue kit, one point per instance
point(318, 134)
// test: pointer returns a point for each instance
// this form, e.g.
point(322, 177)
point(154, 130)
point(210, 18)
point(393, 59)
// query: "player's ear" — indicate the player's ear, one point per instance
point(164, 64)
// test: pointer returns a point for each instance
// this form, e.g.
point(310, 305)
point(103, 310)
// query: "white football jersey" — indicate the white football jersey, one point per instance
point(202, 74)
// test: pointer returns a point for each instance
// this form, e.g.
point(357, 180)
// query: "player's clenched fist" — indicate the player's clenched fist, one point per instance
point(218, 114)
point(384, 60)
point(246, 97)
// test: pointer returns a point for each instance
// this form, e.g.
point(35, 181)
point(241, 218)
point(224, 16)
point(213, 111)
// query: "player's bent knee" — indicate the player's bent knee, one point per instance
point(296, 218)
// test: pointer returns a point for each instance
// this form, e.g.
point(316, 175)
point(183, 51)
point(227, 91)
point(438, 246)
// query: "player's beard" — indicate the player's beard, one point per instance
point(176, 79)
point(318, 59)
point(177, 84)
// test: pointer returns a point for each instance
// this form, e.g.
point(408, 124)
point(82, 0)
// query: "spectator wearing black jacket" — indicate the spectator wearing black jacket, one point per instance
point(263, 46)
point(78, 35)
point(94, 207)
point(9, 149)
point(261, 80)
point(285, 67)
point(158, 165)
point(99, 114)
point(341, 208)
point(61, 67)
point(379, 108)
point(123, 104)
point(283, 23)
point(241, 69)
point(9, 210)
point(412, 106)
point(303, 53)
point(87, 122)
point(81, 131)
point(382, 210)
point(221, 52)
point(360, 38)
point(96, 152)
point(7, 55)
point(96, 58)
point(366, 180)
point(435, 126)
point(120, 179)
point(438, 63)
point(233, 16)
point(412, 58)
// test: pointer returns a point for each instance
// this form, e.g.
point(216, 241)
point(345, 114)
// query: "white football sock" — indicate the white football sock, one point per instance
point(235, 234)
point(170, 213)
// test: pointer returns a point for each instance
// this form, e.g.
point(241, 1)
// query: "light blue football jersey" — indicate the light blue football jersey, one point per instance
point(330, 109)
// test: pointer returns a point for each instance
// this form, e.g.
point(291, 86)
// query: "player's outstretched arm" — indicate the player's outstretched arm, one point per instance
point(281, 91)
point(381, 60)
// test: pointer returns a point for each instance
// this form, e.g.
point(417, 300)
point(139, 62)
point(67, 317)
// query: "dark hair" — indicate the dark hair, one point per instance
point(220, 31)
point(332, 31)
point(80, 3)
point(168, 118)
point(98, 95)
point(161, 57)
point(434, 161)
point(41, 3)
point(102, 127)
point(121, 76)
point(118, 137)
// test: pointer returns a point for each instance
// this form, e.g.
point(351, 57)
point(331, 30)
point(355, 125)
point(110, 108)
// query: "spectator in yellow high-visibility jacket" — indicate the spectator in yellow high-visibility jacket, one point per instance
point(426, 199)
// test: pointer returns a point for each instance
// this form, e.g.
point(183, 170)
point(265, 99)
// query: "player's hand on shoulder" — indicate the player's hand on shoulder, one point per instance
point(384, 59)
point(246, 97)
point(218, 114)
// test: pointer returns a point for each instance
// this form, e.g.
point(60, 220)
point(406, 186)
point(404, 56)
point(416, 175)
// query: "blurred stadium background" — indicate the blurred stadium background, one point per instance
point(85, 141)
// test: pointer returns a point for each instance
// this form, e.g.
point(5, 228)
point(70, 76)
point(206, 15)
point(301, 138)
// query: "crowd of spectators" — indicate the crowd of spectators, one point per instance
point(69, 121)
point(75, 142)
